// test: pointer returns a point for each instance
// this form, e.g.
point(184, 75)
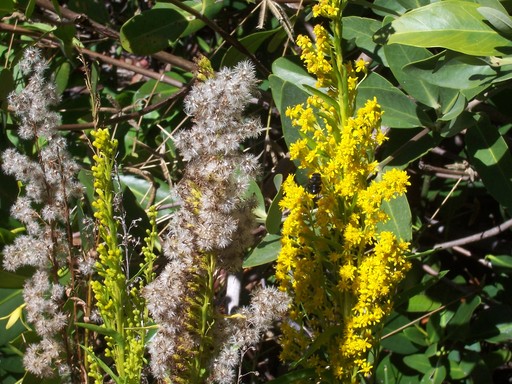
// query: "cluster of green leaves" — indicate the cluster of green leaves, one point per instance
point(439, 69)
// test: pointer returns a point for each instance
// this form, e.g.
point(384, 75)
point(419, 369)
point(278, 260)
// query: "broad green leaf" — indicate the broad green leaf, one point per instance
point(11, 280)
point(251, 42)
point(265, 252)
point(361, 30)
point(398, 342)
point(6, 7)
point(491, 157)
point(274, 216)
point(493, 324)
point(462, 363)
point(386, 7)
point(422, 303)
point(94, 9)
point(453, 105)
point(435, 375)
point(62, 76)
point(152, 31)
point(398, 56)
point(208, 8)
point(458, 326)
point(290, 69)
point(287, 94)
point(416, 336)
point(501, 262)
point(399, 110)
point(499, 20)
point(254, 192)
point(456, 25)
point(419, 362)
point(405, 146)
point(399, 215)
point(141, 188)
point(155, 90)
point(452, 70)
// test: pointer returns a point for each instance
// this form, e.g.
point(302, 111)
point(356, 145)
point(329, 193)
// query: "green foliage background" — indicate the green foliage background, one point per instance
point(441, 71)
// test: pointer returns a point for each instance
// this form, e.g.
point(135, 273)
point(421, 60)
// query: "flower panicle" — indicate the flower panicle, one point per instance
point(212, 228)
point(339, 269)
point(48, 186)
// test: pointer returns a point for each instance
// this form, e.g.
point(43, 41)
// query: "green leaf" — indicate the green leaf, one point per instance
point(157, 90)
point(152, 30)
point(399, 110)
point(287, 94)
point(6, 7)
point(398, 56)
point(455, 25)
point(501, 262)
point(11, 280)
point(422, 303)
point(400, 219)
point(451, 70)
point(208, 8)
point(62, 76)
point(493, 324)
point(435, 375)
point(416, 336)
point(490, 155)
point(265, 252)
point(458, 326)
point(419, 362)
point(274, 216)
point(251, 42)
point(361, 30)
point(499, 20)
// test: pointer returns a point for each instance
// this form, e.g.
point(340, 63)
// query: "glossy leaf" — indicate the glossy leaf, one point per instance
point(493, 324)
point(11, 280)
point(490, 155)
point(419, 362)
point(252, 42)
point(208, 8)
point(398, 56)
point(152, 31)
point(453, 71)
point(274, 216)
point(399, 110)
point(422, 303)
point(498, 19)
point(399, 215)
point(265, 252)
point(287, 94)
point(435, 375)
point(455, 25)
point(361, 30)
point(501, 262)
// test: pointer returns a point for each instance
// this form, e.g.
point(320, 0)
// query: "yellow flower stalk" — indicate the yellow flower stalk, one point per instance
point(119, 301)
point(340, 271)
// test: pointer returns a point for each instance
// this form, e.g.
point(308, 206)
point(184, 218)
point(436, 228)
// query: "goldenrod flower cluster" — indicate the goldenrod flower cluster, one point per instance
point(122, 309)
point(340, 270)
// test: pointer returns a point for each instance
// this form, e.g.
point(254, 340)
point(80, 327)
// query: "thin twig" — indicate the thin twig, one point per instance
point(107, 59)
point(476, 237)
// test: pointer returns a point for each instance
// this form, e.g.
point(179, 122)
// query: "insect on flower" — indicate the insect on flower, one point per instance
point(315, 184)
